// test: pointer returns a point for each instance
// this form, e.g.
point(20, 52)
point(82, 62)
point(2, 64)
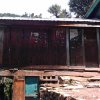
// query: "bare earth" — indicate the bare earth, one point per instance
point(80, 88)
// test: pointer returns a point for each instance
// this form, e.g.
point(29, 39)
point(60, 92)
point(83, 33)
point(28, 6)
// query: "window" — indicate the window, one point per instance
point(76, 49)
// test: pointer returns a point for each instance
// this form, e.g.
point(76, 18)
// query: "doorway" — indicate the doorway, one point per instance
point(76, 47)
point(91, 48)
point(31, 88)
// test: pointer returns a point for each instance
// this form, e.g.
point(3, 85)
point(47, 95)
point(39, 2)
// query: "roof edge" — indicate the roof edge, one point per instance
point(48, 19)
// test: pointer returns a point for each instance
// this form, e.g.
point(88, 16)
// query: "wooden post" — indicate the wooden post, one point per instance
point(67, 48)
point(1, 44)
point(83, 47)
point(98, 44)
point(18, 89)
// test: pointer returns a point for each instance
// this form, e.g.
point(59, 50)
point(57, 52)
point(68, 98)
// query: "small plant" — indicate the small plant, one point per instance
point(8, 88)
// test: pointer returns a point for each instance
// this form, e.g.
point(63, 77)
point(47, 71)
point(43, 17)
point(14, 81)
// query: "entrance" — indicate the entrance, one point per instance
point(31, 88)
point(76, 47)
point(91, 50)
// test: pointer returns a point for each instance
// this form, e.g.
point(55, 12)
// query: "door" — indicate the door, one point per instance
point(31, 88)
point(91, 49)
point(18, 89)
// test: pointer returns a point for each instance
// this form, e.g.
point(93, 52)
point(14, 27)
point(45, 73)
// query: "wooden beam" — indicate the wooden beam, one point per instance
point(83, 47)
point(18, 89)
point(71, 71)
point(67, 48)
point(98, 44)
point(78, 25)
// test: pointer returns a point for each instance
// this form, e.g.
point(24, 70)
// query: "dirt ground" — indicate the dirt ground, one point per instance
point(80, 88)
point(85, 94)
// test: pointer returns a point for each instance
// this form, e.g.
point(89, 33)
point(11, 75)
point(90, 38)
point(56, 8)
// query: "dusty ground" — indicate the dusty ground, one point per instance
point(86, 94)
point(80, 88)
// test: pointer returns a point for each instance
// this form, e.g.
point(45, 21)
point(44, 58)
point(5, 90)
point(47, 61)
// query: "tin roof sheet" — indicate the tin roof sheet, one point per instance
point(50, 19)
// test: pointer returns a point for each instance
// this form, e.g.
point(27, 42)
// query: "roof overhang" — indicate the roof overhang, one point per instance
point(71, 22)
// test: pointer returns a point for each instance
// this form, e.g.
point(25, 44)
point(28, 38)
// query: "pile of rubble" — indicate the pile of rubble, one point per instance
point(72, 88)
point(53, 95)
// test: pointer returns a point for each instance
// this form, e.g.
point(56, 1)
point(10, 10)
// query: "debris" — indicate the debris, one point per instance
point(72, 88)
point(95, 78)
point(93, 85)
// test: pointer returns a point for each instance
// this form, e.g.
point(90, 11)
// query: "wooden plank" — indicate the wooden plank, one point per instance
point(70, 71)
point(91, 49)
point(18, 89)
point(67, 47)
point(98, 43)
point(1, 45)
point(83, 47)
point(6, 47)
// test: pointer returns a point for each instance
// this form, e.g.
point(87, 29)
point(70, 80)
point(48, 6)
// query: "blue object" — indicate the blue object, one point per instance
point(31, 87)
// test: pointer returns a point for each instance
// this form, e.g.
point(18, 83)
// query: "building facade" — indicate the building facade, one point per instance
point(29, 48)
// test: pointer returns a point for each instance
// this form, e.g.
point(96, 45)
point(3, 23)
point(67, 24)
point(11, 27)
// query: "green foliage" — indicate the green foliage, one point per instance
point(37, 16)
point(64, 14)
point(8, 15)
point(80, 7)
point(58, 12)
point(8, 88)
point(24, 15)
point(55, 10)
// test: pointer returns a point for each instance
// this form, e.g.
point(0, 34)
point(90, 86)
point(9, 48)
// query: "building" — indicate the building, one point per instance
point(30, 48)
point(94, 11)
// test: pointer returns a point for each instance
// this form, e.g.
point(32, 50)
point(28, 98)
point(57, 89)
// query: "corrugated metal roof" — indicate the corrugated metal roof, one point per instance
point(51, 19)
point(68, 22)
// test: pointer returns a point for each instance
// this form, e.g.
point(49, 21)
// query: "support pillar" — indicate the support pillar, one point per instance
point(83, 47)
point(98, 44)
point(18, 89)
point(67, 48)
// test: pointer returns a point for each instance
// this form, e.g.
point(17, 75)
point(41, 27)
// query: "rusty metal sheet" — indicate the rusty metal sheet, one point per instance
point(18, 89)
